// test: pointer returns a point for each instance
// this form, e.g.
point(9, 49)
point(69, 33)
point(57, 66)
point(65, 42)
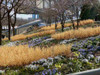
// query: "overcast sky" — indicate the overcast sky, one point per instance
point(24, 16)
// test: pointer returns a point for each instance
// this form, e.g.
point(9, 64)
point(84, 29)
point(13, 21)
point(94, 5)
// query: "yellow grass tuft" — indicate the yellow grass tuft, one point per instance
point(41, 33)
point(80, 33)
point(52, 27)
point(23, 37)
point(22, 55)
point(51, 30)
point(17, 37)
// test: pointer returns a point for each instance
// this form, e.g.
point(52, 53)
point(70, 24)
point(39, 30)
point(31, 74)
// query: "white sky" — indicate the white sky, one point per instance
point(24, 16)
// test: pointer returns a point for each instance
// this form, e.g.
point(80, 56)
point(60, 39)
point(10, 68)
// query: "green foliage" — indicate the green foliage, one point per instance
point(88, 12)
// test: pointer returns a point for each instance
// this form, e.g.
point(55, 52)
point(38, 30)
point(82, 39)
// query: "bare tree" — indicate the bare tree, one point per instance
point(0, 22)
point(55, 17)
point(75, 8)
point(47, 16)
point(2, 15)
point(9, 6)
point(15, 10)
point(61, 6)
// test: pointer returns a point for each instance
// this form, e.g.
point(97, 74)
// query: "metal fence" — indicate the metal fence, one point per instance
point(22, 28)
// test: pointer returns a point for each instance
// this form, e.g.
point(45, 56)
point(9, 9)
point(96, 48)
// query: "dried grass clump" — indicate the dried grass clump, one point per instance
point(16, 37)
point(22, 55)
point(43, 33)
point(84, 22)
point(52, 27)
point(80, 33)
point(23, 37)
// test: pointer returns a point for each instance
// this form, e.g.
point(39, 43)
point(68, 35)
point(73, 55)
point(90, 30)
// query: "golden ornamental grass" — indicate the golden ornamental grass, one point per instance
point(80, 33)
point(43, 33)
point(52, 27)
point(23, 37)
point(22, 55)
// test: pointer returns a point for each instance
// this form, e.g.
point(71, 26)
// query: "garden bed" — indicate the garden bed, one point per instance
point(85, 56)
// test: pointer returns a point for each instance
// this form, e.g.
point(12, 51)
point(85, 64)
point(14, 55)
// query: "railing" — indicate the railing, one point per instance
point(21, 28)
point(89, 72)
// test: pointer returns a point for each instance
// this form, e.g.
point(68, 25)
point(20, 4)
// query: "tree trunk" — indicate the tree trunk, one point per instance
point(62, 24)
point(55, 24)
point(62, 21)
point(14, 23)
point(9, 26)
point(13, 30)
point(0, 28)
point(50, 21)
point(73, 23)
point(77, 14)
point(0, 34)
point(73, 26)
point(77, 23)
